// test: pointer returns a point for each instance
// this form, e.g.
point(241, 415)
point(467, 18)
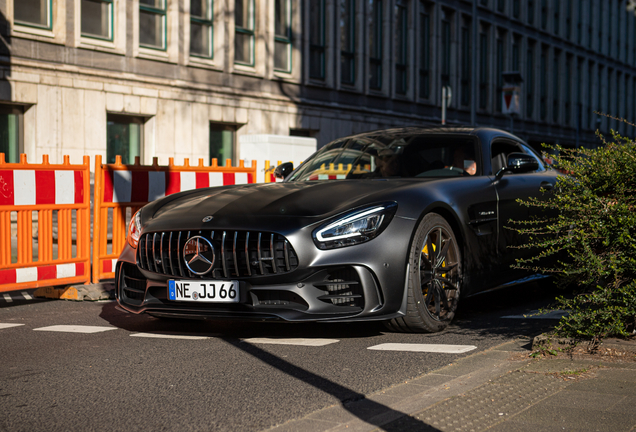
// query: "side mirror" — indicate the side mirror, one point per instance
point(283, 170)
point(519, 163)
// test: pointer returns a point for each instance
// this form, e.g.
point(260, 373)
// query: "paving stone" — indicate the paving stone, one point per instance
point(545, 414)
point(487, 405)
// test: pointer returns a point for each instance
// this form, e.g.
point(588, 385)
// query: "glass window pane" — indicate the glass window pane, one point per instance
point(281, 56)
point(243, 14)
point(124, 138)
point(281, 18)
point(158, 4)
point(34, 12)
point(243, 48)
point(201, 9)
point(96, 18)
point(10, 137)
point(200, 39)
point(151, 29)
point(221, 143)
point(316, 39)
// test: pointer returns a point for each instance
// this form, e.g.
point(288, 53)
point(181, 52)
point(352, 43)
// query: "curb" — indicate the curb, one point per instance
point(609, 346)
point(90, 292)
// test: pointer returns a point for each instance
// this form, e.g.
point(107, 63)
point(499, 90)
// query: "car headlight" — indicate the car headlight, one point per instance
point(356, 227)
point(134, 230)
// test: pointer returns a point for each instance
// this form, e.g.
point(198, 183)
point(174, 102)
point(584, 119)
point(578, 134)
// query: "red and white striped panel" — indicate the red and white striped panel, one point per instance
point(146, 186)
point(108, 265)
point(37, 187)
point(327, 177)
point(33, 274)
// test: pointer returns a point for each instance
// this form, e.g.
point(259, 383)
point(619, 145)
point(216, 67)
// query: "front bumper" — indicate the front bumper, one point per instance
point(362, 282)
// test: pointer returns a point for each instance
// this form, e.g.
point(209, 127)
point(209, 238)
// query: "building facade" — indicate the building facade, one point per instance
point(188, 78)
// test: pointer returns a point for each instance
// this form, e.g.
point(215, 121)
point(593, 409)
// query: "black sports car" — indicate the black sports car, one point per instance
point(388, 225)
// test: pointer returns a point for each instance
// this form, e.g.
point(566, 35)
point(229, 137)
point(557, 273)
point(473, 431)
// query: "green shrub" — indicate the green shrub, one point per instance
point(589, 241)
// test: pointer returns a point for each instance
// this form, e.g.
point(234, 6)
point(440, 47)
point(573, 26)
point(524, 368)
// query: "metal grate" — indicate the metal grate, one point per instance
point(343, 288)
point(237, 253)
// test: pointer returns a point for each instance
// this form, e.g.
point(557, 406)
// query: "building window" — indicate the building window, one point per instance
point(465, 59)
point(557, 16)
point(124, 135)
point(37, 13)
point(375, 44)
point(590, 96)
point(317, 39)
point(152, 24)
point(222, 142)
point(530, 81)
point(568, 91)
point(347, 41)
point(499, 65)
point(568, 19)
point(445, 47)
point(544, 14)
point(543, 101)
point(516, 8)
point(501, 5)
point(97, 19)
point(425, 52)
point(244, 32)
point(516, 43)
point(530, 11)
point(555, 89)
point(201, 39)
point(11, 132)
point(401, 47)
point(282, 35)
point(590, 26)
point(483, 69)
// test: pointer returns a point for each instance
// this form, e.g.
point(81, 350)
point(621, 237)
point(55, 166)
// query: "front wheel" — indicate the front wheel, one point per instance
point(435, 277)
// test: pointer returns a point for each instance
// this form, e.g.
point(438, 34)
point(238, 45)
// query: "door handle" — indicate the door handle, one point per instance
point(546, 185)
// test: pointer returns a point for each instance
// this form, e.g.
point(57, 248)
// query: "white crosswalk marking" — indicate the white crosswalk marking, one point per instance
point(75, 329)
point(7, 298)
point(430, 348)
point(292, 341)
point(26, 295)
point(168, 336)
point(8, 325)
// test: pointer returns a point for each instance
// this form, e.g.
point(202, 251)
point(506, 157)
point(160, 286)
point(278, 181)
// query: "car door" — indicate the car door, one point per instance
point(510, 187)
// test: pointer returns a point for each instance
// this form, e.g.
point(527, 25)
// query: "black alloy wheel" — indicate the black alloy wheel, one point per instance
point(434, 278)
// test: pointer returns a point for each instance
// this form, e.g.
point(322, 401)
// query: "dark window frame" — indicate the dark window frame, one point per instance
point(163, 13)
point(209, 21)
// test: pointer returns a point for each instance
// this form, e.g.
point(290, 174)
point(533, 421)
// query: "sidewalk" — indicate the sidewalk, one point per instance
point(500, 389)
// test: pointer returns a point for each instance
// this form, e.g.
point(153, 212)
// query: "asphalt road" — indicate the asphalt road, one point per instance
point(118, 379)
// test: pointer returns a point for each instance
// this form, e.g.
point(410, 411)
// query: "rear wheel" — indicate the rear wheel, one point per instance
point(434, 278)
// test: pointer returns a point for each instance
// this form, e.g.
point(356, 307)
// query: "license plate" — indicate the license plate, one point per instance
point(204, 291)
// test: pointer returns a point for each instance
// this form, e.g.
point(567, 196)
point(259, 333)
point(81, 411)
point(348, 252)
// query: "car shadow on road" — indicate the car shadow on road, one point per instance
point(355, 403)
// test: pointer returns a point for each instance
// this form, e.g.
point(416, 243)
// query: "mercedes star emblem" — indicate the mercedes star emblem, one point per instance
point(208, 218)
point(198, 254)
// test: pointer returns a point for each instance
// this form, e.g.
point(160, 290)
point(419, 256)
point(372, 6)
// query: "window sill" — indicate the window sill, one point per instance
point(34, 33)
point(203, 63)
point(247, 70)
point(157, 55)
point(100, 45)
point(286, 77)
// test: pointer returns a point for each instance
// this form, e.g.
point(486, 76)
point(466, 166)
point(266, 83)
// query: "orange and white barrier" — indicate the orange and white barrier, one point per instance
point(51, 196)
point(120, 190)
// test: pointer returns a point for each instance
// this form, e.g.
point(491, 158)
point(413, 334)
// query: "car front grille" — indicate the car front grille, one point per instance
point(238, 254)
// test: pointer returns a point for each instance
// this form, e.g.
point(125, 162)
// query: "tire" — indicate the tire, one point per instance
point(434, 278)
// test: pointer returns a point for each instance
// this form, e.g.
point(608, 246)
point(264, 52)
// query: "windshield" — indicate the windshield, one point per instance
point(392, 156)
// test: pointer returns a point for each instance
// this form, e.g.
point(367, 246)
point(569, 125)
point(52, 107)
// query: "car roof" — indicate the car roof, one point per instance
point(482, 132)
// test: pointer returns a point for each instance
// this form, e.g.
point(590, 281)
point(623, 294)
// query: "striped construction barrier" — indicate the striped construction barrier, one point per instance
point(55, 200)
point(120, 190)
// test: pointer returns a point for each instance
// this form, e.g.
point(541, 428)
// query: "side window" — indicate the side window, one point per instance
point(499, 154)
point(528, 150)
point(501, 149)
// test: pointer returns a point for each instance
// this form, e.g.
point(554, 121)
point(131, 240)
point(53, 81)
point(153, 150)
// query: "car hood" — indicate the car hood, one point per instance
point(243, 206)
